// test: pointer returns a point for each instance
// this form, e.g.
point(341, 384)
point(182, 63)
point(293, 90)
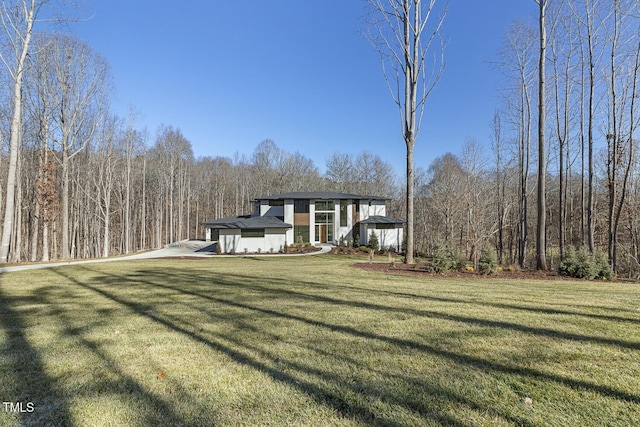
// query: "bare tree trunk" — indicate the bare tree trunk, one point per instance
point(541, 242)
point(21, 42)
point(399, 30)
point(590, 124)
point(499, 187)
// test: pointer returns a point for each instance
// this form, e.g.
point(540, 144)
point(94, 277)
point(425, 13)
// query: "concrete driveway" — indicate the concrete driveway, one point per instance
point(184, 248)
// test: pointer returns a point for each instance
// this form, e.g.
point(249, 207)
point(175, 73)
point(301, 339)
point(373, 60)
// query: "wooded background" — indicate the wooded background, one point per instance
point(89, 183)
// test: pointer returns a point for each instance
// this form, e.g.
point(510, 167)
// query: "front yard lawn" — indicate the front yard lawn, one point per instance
point(311, 341)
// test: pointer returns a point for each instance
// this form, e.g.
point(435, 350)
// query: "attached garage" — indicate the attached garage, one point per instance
point(240, 234)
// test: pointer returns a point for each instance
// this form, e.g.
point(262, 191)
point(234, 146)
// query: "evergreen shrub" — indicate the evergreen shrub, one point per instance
point(581, 264)
point(445, 258)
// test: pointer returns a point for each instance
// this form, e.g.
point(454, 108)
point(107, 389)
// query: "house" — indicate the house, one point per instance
point(320, 217)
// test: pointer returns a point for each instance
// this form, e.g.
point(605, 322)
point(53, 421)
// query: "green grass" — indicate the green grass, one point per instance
point(311, 341)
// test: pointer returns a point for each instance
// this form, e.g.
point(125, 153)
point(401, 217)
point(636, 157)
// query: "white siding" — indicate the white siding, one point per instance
point(378, 207)
point(372, 208)
point(312, 221)
point(288, 218)
point(386, 237)
point(390, 238)
point(229, 241)
point(274, 239)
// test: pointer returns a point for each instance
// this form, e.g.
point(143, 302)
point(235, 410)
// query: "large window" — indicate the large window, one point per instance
point(325, 205)
point(252, 232)
point(301, 233)
point(301, 206)
point(343, 213)
point(324, 227)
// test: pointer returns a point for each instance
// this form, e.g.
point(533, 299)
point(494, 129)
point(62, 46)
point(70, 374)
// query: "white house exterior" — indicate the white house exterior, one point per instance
point(299, 217)
point(389, 231)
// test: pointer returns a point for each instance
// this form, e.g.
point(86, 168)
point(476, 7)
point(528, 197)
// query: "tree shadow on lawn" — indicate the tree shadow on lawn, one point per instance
point(180, 282)
point(269, 364)
point(25, 379)
point(52, 408)
point(112, 379)
point(245, 282)
point(525, 308)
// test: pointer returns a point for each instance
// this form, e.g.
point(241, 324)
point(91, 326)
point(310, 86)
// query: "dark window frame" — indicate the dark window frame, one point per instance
point(252, 232)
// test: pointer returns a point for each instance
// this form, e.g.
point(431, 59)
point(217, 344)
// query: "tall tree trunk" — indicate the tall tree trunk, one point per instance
point(590, 124)
point(399, 30)
point(16, 125)
point(541, 243)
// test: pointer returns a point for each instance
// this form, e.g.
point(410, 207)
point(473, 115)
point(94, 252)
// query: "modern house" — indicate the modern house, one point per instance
point(320, 217)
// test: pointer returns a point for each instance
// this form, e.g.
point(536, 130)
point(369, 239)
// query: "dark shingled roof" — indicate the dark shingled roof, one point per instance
point(247, 221)
point(378, 219)
point(320, 195)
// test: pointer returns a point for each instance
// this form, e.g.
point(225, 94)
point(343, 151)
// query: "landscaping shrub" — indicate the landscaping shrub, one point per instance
point(581, 264)
point(445, 258)
point(373, 241)
point(604, 271)
point(488, 263)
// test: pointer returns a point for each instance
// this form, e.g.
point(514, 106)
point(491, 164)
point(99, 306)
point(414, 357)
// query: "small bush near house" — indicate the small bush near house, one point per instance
point(445, 258)
point(373, 241)
point(488, 263)
point(581, 264)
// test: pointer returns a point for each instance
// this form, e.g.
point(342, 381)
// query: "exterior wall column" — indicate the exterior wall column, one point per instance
point(289, 219)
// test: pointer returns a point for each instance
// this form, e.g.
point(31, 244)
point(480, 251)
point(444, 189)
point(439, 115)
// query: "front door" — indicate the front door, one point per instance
point(323, 233)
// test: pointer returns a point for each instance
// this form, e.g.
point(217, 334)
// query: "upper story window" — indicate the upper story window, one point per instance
point(276, 202)
point(325, 205)
point(301, 206)
point(343, 213)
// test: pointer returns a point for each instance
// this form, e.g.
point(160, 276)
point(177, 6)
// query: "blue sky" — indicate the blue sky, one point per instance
point(231, 74)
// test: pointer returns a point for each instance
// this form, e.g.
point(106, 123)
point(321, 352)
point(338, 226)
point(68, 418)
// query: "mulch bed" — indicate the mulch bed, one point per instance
point(421, 271)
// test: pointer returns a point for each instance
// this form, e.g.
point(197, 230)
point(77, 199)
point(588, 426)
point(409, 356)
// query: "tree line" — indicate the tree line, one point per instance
point(80, 182)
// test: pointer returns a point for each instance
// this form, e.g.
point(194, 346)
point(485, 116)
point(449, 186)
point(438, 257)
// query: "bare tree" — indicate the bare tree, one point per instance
point(586, 18)
point(500, 178)
point(517, 65)
point(541, 230)
point(78, 88)
point(623, 76)
point(405, 32)
point(18, 19)
point(561, 52)
point(340, 171)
